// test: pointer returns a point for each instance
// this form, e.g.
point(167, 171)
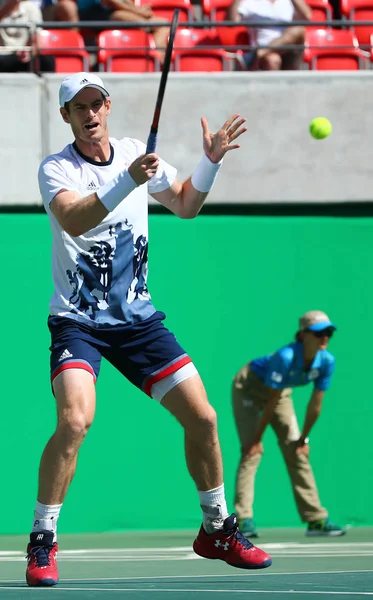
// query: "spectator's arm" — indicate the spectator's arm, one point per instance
point(117, 4)
point(302, 10)
point(7, 8)
point(274, 396)
point(232, 12)
point(312, 413)
point(127, 5)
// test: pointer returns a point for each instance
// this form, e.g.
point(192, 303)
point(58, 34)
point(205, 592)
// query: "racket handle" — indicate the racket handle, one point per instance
point(152, 142)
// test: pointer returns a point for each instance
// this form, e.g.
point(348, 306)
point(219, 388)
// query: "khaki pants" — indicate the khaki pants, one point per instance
point(249, 395)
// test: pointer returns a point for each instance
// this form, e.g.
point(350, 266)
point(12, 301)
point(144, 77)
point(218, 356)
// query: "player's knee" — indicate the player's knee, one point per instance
point(205, 424)
point(72, 430)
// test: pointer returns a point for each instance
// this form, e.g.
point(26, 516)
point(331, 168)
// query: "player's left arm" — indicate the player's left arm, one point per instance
point(186, 199)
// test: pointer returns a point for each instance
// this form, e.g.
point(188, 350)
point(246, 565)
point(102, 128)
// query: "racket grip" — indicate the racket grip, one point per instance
point(152, 142)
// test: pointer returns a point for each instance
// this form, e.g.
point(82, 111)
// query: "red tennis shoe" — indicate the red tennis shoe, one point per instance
point(231, 546)
point(41, 555)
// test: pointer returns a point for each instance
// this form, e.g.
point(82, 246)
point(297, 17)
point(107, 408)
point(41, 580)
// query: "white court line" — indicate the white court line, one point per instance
point(115, 559)
point(188, 591)
point(331, 546)
point(278, 550)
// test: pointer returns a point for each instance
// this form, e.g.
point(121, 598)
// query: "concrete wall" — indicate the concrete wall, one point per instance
point(278, 160)
point(21, 149)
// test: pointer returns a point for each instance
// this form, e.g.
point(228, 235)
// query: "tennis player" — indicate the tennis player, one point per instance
point(261, 396)
point(95, 193)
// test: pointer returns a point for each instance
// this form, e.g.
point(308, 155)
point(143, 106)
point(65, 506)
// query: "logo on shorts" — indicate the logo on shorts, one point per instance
point(65, 354)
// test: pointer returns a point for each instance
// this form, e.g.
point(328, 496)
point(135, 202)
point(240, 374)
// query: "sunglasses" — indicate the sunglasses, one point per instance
point(328, 332)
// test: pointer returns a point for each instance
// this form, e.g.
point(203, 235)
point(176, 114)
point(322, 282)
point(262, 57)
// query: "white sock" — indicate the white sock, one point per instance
point(45, 517)
point(214, 508)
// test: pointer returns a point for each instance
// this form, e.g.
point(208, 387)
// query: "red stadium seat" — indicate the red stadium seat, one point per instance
point(233, 36)
point(127, 50)
point(215, 10)
point(321, 10)
point(165, 8)
point(235, 41)
point(192, 52)
point(359, 10)
point(67, 47)
point(332, 49)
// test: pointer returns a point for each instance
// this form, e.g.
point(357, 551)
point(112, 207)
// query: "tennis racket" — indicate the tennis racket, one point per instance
point(152, 139)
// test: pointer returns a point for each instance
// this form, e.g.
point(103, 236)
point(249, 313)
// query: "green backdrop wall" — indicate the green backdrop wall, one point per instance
point(232, 289)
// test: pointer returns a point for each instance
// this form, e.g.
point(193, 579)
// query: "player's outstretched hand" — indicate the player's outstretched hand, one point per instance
point(217, 144)
point(143, 168)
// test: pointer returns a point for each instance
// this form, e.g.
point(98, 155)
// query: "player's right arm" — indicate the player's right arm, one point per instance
point(78, 214)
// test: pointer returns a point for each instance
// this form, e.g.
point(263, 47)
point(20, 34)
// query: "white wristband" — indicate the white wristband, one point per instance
point(114, 191)
point(204, 176)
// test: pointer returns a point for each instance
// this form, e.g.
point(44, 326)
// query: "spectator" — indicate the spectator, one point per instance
point(268, 54)
point(18, 44)
point(110, 10)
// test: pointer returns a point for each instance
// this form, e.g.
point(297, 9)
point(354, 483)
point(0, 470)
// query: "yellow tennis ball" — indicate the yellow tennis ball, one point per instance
point(320, 128)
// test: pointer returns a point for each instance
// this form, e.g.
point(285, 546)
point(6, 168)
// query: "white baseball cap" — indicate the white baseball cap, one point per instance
point(72, 85)
point(315, 320)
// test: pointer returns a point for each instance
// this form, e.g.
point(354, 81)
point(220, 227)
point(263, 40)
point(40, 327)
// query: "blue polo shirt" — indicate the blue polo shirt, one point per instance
point(285, 368)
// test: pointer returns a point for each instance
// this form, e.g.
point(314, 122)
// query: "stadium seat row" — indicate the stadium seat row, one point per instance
point(217, 49)
point(216, 10)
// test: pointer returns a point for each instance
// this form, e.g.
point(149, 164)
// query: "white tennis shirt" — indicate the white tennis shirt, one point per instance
point(265, 10)
point(100, 278)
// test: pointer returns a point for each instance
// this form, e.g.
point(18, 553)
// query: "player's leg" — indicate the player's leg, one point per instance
point(246, 411)
point(219, 536)
point(75, 398)
point(152, 359)
point(75, 395)
point(75, 364)
point(188, 403)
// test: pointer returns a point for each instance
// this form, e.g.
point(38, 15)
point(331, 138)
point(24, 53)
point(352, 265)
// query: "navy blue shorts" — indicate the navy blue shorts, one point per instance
point(144, 352)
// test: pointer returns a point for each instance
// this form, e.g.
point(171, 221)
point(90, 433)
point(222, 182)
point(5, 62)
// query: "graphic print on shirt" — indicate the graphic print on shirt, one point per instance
point(110, 273)
point(138, 288)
